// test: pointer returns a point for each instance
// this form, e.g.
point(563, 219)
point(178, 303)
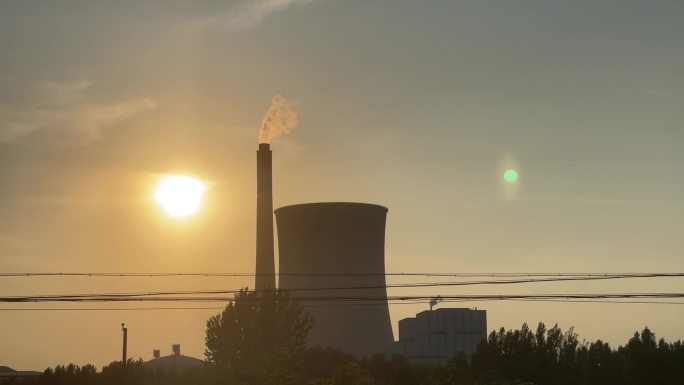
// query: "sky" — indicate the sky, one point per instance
point(417, 106)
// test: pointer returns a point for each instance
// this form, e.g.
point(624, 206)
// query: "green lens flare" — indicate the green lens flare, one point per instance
point(511, 176)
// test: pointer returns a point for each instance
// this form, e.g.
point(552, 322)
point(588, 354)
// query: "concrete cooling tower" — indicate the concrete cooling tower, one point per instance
point(333, 246)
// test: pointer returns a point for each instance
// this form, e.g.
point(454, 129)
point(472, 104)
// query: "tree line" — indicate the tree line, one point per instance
point(262, 341)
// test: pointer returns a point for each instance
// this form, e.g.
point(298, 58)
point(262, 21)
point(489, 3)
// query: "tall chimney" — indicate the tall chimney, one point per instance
point(265, 265)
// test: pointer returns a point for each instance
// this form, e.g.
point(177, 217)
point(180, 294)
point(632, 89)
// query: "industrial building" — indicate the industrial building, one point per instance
point(435, 336)
point(333, 253)
point(175, 361)
point(338, 249)
point(327, 250)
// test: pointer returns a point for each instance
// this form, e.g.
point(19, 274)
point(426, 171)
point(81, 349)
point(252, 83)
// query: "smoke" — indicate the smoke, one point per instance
point(280, 119)
point(435, 300)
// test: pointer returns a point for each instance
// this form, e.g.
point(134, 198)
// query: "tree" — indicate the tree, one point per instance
point(258, 337)
point(321, 362)
point(394, 370)
point(647, 361)
point(349, 374)
point(457, 371)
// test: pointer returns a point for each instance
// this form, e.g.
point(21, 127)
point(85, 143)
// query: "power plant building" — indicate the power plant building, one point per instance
point(332, 259)
point(436, 336)
point(175, 361)
point(336, 252)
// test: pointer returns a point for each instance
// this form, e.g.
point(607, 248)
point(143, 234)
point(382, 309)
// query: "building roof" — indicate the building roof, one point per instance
point(176, 362)
point(443, 310)
point(6, 371)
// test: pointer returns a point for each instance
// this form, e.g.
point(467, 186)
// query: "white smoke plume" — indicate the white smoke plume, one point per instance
point(435, 300)
point(281, 118)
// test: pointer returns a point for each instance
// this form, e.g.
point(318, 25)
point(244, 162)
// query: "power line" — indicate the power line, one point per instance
point(471, 297)
point(606, 301)
point(344, 304)
point(112, 309)
point(418, 302)
point(394, 274)
point(332, 288)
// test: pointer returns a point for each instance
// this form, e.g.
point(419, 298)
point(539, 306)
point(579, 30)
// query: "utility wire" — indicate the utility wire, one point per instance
point(472, 297)
point(343, 304)
point(336, 288)
point(111, 309)
point(398, 274)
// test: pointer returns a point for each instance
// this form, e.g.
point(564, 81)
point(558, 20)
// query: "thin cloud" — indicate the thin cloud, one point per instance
point(64, 108)
point(248, 14)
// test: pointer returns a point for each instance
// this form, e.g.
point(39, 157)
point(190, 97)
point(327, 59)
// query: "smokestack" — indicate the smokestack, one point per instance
point(280, 119)
point(265, 265)
point(176, 350)
point(124, 355)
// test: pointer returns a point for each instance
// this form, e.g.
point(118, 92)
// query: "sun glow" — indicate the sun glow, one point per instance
point(180, 196)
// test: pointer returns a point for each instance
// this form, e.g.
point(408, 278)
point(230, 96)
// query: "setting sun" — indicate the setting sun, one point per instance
point(180, 196)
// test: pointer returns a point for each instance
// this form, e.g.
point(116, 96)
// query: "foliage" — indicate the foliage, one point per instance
point(557, 358)
point(508, 357)
point(349, 374)
point(321, 362)
point(457, 372)
point(255, 325)
point(396, 370)
point(259, 338)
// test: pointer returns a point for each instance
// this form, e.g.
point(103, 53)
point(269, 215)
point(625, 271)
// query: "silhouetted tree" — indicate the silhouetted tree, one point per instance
point(599, 365)
point(649, 362)
point(132, 372)
point(70, 374)
point(259, 338)
point(321, 362)
point(508, 357)
point(456, 371)
point(349, 374)
point(396, 370)
point(552, 357)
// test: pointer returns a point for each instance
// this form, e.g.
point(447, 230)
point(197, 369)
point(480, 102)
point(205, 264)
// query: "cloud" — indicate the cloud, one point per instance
point(63, 109)
point(248, 14)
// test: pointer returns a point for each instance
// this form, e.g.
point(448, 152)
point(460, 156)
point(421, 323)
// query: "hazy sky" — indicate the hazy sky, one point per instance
point(416, 105)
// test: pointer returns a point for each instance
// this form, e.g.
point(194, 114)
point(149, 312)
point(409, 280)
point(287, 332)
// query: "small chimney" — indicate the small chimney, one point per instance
point(124, 329)
point(156, 353)
point(176, 350)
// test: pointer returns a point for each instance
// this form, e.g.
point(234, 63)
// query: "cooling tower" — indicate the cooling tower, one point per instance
point(321, 242)
point(265, 266)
